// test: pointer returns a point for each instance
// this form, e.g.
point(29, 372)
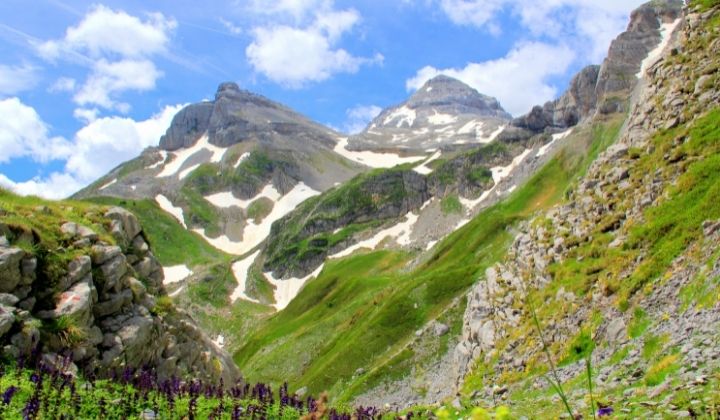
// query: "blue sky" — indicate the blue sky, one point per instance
point(86, 85)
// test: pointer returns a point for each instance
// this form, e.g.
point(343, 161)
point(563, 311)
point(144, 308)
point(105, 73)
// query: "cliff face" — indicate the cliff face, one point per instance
point(612, 269)
point(93, 294)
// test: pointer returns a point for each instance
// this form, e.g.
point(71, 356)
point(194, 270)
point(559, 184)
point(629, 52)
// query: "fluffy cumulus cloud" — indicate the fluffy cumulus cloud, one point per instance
point(14, 79)
point(359, 117)
point(95, 149)
point(510, 79)
point(304, 47)
point(591, 24)
point(24, 134)
point(118, 48)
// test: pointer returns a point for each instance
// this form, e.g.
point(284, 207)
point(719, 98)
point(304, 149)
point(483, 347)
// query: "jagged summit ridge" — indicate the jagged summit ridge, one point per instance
point(238, 115)
point(452, 96)
point(444, 112)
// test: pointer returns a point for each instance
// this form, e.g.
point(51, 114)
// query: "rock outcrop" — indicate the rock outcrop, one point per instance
point(611, 199)
point(603, 88)
point(101, 304)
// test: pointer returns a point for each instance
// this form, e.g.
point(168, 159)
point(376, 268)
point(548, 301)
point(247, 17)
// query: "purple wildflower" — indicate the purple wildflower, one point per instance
point(8, 394)
point(605, 411)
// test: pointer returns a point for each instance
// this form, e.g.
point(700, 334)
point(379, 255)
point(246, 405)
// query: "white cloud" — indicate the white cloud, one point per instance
point(591, 24)
point(106, 142)
point(118, 48)
point(64, 84)
point(104, 31)
point(296, 9)
point(57, 185)
point(519, 80)
point(231, 27)
point(359, 117)
point(95, 149)
point(14, 79)
point(307, 51)
point(86, 115)
point(111, 78)
point(24, 134)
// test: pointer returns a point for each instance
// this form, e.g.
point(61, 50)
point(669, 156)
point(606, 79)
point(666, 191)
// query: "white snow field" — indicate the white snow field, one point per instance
point(400, 232)
point(226, 199)
point(168, 206)
point(424, 169)
point(176, 273)
point(666, 29)
point(183, 155)
point(253, 233)
point(373, 159)
point(240, 270)
point(286, 290)
point(402, 115)
point(555, 137)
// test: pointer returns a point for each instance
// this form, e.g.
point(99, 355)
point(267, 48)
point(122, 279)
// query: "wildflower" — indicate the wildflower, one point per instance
point(8, 394)
point(605, 411)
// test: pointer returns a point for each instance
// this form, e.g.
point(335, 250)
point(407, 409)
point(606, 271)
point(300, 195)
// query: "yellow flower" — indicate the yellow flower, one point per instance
point(479, 413)
point(502, 413)
point(442, 413)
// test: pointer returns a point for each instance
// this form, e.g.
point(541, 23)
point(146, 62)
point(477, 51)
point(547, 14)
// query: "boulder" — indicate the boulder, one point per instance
point(112, 271)
point(75, 303)
point(129, 226)
point(7, 319)
point(102, 253)
point(10, 268)
point(114, 304)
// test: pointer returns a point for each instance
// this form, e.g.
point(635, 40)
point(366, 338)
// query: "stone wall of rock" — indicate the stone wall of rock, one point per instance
point(106, 308)
point(613, 192)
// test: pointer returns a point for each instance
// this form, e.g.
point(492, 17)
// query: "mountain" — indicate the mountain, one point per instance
point(443, 112)
point(448, 266)
point(228, 168)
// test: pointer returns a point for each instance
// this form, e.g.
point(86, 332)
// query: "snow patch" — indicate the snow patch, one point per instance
point(441, 119)
point(555, 137)
point(424, 169)
point(373, 159)
point(168, 206)
point(163, 156)
point(471, 204)
point(511, 189)
point(501, 172)
point(403, 115)
point(481, 139)
point(181, 156)
point(186, 172)
point(400, 232)
point(177, 292)
point(287, 290)
point(108, 184)
point(430, 244)
point(219, 341)
point(666, 29)
point(227, 199)
point(472, 127)
point(241, 158)
point(176, 274)
point(240, 270)
point(253, 233)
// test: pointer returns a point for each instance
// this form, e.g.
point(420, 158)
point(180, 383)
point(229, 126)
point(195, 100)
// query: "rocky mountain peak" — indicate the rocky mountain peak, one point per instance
point(227, 89)
point(447, 92)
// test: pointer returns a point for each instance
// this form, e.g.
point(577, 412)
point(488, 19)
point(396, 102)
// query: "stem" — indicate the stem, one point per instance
point(557, 385)
point(588, 365)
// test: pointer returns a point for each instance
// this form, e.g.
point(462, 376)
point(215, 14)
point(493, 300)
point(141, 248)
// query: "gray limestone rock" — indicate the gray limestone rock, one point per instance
point(10, 268)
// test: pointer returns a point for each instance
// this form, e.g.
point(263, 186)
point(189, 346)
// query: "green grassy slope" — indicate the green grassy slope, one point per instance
point(363, 309)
